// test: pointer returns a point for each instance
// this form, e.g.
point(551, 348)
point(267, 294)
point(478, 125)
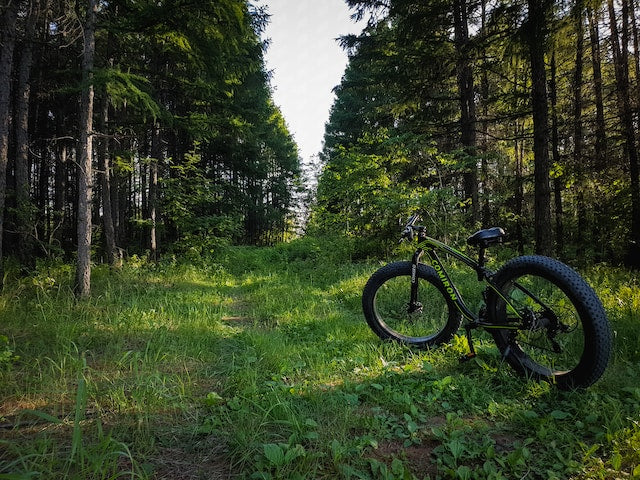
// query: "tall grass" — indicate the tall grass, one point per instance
point(258, 364)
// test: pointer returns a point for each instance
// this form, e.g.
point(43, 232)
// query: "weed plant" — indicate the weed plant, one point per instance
point(257, 363)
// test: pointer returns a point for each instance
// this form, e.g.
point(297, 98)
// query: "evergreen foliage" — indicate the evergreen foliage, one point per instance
point(437, 109)
point(188, 147)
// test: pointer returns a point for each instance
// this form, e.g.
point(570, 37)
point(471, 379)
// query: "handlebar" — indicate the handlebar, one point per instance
point(412, 219)
point(407, 231)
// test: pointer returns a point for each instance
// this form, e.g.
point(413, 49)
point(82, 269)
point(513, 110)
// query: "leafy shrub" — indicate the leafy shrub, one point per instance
point(330, 248)
point(6, 354)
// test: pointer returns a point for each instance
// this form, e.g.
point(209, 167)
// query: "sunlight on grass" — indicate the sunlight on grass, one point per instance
point(260, 363)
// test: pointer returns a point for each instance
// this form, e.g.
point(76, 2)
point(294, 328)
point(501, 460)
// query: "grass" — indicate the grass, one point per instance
point(258, 364)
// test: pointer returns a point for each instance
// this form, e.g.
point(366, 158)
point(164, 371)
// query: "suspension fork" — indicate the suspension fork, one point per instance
point(414, 305)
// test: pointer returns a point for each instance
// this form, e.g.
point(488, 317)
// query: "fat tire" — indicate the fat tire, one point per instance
point(426, 274)
point(596, 330)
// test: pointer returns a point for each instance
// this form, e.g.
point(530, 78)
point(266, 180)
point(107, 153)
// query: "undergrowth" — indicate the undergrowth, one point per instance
point(257, 363)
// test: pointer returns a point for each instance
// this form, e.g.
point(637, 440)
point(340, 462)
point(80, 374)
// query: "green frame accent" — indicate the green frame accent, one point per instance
point(430, 246)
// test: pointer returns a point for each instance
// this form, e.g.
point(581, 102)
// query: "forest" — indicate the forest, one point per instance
point(148, 127)
point(138, 127)
point(482, 113)
point(182, 295)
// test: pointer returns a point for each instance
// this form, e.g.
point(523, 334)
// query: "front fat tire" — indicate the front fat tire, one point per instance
point(576, 300)
point(385, 299)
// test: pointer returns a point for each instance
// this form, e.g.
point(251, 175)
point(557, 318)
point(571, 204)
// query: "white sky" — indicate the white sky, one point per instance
point(307, 63)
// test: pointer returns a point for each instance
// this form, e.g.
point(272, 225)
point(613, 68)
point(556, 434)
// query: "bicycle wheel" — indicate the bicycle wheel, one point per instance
point(386, 306)
point(564, 334)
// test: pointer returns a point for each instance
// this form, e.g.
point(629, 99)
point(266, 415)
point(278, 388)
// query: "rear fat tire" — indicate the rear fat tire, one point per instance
point(440, 318)
point(585, 306)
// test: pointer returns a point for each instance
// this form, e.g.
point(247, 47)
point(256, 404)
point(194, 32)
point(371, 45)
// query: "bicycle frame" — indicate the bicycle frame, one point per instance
point(430, 246)
point(545, 320)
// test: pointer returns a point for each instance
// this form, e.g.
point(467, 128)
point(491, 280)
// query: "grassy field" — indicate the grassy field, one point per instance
point(258, 364)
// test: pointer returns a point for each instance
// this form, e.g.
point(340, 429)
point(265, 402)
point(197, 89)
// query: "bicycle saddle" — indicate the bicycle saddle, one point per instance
point(486, 237)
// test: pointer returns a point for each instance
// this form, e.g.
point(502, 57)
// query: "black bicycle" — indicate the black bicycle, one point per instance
point(547, 322)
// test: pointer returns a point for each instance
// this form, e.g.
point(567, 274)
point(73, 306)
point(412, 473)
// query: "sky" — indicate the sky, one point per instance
point(306, 62)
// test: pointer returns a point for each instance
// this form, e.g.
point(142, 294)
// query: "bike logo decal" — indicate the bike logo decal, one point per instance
point(445, 282)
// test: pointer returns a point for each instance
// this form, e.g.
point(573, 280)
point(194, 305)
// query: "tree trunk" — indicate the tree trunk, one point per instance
point(634, 253)
point(620, 59)
point(105, 176)
point(24, 206)
point(467, 102)
point(600, 146)
point(555, 156)
point(156, 153)
point(636, 44)
point(578, 159)
point(42, 196)
point(59, 199)
point(519, 193)
point(542, 194)
point(9, 17)
point(484, 88)
point(83, 271)
point(601, 131)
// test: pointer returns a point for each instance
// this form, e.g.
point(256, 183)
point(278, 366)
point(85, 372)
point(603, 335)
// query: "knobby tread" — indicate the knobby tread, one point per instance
point(598, 338)
point(425, 273)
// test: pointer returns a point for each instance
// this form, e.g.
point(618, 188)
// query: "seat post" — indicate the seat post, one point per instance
point(481, 261)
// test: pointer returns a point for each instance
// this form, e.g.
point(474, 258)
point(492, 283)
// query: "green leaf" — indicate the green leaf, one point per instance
point(560, 415)
point(212, 399)
point(81, 402)
point(397, 467)
point(43, 416)
point(412, 426)
point(616, 461)
point(293, 453)
point(456, 447)
point(463, 472)
point(274, 454)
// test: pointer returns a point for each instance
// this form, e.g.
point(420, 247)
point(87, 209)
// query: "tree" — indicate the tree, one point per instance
point(578, 141)
point(9, 18)
point(83, 270)
point(104, 168)
point(536, 41)
point(621, 63)
point(466, 92)
point(24, 206)
point(176, 89)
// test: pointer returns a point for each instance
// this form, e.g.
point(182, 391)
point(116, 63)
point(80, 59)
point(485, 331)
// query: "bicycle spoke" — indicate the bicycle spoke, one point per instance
point(549, 333)
point(546, 320)
point(423, 321)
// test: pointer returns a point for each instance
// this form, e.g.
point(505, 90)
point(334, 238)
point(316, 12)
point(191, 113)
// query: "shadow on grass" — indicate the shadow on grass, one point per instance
point(273, 372)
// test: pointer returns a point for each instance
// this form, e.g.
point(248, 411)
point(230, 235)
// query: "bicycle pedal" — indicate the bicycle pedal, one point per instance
point(467, 357)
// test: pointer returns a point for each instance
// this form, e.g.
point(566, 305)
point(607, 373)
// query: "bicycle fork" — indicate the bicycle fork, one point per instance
point(414, 304)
